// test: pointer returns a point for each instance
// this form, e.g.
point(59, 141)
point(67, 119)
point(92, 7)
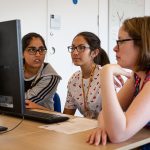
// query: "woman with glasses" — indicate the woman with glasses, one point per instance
point(84, 86)
point(126, 113)
point(41, 80)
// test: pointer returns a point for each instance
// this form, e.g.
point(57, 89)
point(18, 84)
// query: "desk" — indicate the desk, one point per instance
point(28, 136)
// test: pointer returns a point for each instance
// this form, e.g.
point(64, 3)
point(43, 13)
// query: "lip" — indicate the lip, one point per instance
point(117, 57)
point(76, 59)
point(37, 61)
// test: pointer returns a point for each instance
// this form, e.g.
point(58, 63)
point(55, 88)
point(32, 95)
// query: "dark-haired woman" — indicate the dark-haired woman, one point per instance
point(41, 80)
point(84, 90)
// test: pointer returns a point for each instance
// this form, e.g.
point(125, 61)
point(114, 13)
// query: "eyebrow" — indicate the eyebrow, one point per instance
point(80, 44)
point(35, 47)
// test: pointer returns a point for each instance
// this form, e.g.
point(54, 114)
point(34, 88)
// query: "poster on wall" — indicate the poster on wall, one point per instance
point(119, 10)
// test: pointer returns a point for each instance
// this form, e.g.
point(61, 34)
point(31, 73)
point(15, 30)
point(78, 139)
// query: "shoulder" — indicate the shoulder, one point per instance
point(74, 81)
point(48, 70)
point(98, 67)
point(147, 76)
point(75, 77)
point(97, 70)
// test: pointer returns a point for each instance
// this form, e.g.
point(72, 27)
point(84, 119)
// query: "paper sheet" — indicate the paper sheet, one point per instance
point(72, 125)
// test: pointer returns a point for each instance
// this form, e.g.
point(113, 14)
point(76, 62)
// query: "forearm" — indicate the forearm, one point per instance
point(69, 111)
point(32, 105)
point(44, 88)
point(113, 115)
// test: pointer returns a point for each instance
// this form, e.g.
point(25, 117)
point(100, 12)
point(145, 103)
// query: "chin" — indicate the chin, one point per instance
point(76, 63)
point(120, 64)
point(37, 65)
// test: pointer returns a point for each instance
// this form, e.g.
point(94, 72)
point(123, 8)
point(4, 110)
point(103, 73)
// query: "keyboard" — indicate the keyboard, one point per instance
point(44, 117)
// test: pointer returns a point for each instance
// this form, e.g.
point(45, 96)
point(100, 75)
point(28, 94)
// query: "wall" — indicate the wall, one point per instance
point(103, 23)
point(33, 14)
point(147, 7)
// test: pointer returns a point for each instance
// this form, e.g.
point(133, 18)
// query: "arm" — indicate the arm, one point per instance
point(119, 125)
point(43, 90)
point(30, 104)
point(69, 105)
point(125, 95)
point(69, 111)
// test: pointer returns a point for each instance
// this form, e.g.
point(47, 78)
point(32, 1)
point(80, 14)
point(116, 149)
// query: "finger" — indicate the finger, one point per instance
point(120, 79)
point(92, 138)
point(104, 138)
point(117, 83)
point(88, 139)
point(125, 73)
point(27, 103)
point(97, 138)
point(27, 106)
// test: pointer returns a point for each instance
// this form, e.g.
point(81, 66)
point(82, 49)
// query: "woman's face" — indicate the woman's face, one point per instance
point(34, 60)
point(126, 51)
point(81, 52)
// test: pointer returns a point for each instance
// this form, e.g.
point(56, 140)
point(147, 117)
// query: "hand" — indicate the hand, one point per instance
point(30, 104)
point(119, 84)
point(97, 137)
point(115, 69)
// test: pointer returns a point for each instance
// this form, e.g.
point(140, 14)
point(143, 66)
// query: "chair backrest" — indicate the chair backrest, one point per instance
point(57, 103)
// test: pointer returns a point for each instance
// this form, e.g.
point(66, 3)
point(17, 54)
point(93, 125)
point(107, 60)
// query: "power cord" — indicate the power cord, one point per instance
point(5, 129)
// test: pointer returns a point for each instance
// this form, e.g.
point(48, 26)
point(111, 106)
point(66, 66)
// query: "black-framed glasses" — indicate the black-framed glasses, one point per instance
point(33, 50)
point(79, 48)
point(119, 42)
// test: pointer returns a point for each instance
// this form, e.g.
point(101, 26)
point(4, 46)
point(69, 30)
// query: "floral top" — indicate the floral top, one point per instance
point(137, 90)
point(75, 98)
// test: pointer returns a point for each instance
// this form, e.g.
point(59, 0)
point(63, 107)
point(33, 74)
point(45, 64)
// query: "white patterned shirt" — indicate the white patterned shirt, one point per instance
point(75, 98)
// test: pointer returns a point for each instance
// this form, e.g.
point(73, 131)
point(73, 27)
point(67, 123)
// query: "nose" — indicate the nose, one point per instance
point(37, 53)
point(75, 51)
point(116, 48)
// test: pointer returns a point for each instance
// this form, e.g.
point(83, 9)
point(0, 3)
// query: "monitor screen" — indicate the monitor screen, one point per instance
point(11, 68)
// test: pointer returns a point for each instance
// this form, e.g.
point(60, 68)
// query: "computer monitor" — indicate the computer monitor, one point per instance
point(12, 97)
point(11, 69)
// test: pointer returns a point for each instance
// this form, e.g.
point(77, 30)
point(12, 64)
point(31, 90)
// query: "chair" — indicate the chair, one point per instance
point(57, 103)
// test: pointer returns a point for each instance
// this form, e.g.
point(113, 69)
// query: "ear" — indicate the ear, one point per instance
point(95, 53)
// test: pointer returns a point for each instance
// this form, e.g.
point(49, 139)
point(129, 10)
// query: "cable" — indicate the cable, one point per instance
point(2, 132)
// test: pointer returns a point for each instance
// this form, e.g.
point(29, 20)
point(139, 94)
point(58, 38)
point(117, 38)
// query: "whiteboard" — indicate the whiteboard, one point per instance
point(119, 10)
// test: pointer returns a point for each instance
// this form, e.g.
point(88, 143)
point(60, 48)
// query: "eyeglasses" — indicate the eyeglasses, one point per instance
point(119, 42)
point(34, 50)
point(79, 48)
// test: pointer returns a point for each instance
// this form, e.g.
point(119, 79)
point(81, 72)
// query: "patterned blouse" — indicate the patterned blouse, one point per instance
point(75, 98)
point(137, 90)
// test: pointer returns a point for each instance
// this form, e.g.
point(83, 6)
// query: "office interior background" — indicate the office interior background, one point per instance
point(58, 21)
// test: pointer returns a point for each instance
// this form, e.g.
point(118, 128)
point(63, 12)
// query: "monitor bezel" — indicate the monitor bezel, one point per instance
point(12, 29)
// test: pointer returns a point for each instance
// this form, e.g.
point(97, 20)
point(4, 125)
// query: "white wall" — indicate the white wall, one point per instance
point(103, 23)
point(33, 14)
point(147, 7)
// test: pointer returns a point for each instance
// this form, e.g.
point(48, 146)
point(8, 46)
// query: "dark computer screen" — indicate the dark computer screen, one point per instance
point(11, 68)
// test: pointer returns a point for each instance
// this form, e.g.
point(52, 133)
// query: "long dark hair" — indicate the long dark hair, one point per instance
point(95, 43)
